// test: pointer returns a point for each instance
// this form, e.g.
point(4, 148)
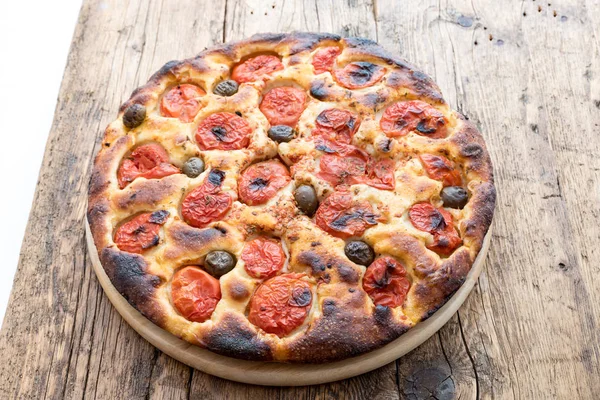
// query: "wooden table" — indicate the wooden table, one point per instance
point(526, 72)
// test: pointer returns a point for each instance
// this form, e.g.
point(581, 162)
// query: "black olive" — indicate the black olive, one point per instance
point(281, 133)
point(359, 252)
point(134, 115)
point(454, 197)
point(306, 197)
point(226, 88)
point(193, 167)
point(219, 262)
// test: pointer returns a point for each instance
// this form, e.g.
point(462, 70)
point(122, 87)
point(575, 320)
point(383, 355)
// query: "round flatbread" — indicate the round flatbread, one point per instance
point(291, 197)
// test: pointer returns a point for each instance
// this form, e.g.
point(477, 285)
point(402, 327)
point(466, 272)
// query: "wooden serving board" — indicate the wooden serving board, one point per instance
point(282, 374)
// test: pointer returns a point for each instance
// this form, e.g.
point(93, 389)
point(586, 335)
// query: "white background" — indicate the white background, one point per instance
point(35, 37)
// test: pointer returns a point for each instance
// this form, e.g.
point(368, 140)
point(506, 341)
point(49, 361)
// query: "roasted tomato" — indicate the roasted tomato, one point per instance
point(260, 182)
point(338, 170)
point(380, 174)
point(283, 105)
point(437, 222)
point(402, 118)
point(195, 293)
point(149, 161)
point(181, 102)
point(358, 75)
point(263, 257)
point(336, 125)
point(340, 215)
point(324, 58)
point(281, 304)
point(223, 131)
point(386, 283)
point(141, 232)
point(206, 203)
point(441, 169)
point(355, 167)
point(256, 68)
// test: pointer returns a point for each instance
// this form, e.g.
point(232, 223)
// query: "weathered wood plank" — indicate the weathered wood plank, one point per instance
point(527, 73)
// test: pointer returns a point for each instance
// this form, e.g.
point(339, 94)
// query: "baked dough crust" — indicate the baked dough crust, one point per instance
point(343, 321)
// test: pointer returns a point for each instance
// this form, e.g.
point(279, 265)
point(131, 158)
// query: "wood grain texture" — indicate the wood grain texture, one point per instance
point(527, 72)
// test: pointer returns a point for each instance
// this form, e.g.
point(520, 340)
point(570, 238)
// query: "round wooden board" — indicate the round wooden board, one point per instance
point(282, 374)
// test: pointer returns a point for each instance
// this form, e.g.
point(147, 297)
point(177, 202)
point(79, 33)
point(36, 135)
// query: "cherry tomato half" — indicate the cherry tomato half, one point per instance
point(206, 203)
point(437, 222)
point(195, 293)
point(441, 169)
point(359, 74)
point(260, 182)
point(182, 102)
point(324, 58)
point(223, 131)
point(255, 68)
point(283, 105)
point(141, 232)
point(149, 161)
point(281, 304)
point(380, 174)
point(341, 216)
point(263, 257)
point(355, 167)
point(338, 170)
point(386, 283)
point(336, 125)
point(402, 118)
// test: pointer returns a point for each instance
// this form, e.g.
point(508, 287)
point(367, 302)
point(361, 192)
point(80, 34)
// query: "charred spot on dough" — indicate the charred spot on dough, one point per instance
point(382, 315)
point(347, 273)
point(147, 193)
point(329, 307)
point(221, 229)
point(471, 150)
point(305, 41)
point(185, 236)
point(484, 202)
point(373, 100)
point(315, 261)
point(415, 81)
point(233, 339)
point(127, 272)
point(360, 42)
point(343, 331)
point(238, 291)
point(168, 68)
point(96, 212)
point(318, 90)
